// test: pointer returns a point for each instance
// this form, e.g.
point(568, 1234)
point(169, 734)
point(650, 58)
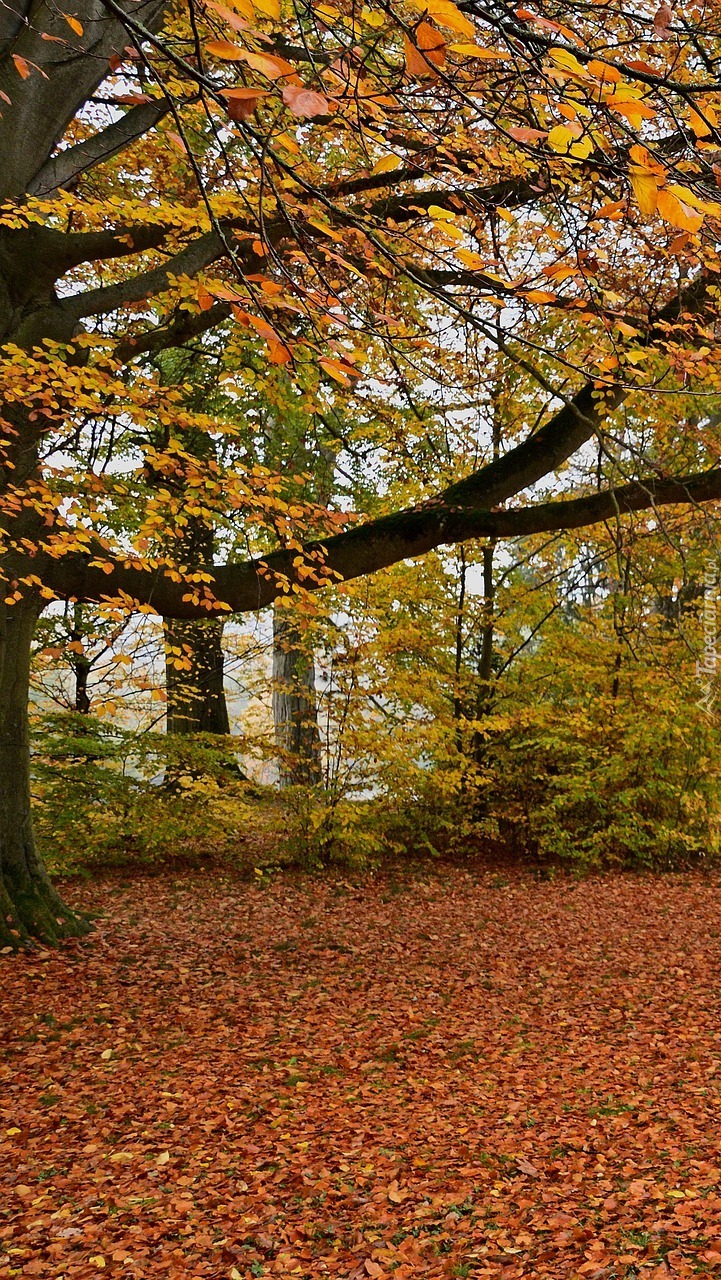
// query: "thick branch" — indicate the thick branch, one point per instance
point(66, 167)
point(38, 109)
point(186, 326)
point(147, 284)
point(367, 548)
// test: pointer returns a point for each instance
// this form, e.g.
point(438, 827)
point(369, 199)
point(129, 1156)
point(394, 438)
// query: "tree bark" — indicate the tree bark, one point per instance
point(80, 664)
point(295, 712)
point(196, 697)
point(29, 905)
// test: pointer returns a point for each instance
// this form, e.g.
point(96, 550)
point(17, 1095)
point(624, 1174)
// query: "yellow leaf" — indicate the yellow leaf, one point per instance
point(688, 197)
point(271, 8)
point(163, 1158)
point(564, 59)
point(387, 164)
point(435, 211)
point(243, 7)
point(560, 139)
point(445, 12)
point(540, 295)
point(471, 259)
point(106, 1055)
point(286, 140)
point(449, 230)
point(326, 230)
point(372, 18)
point(645, 188)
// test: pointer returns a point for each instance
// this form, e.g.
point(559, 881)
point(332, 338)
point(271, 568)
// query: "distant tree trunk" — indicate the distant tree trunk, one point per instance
point(619, 624)
point(295, 712)
point(80, 664)
point(29, 905)
point(196, 696)
point(458, 703)
point(485, 693)
point(485, 661)
point(195, 690)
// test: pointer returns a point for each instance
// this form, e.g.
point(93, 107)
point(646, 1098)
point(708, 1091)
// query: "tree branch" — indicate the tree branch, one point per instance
point(254, 584)
point(38, 109)
point(147, 284)
point(66, 167)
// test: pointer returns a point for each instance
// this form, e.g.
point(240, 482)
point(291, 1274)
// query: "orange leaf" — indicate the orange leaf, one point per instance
point(268, 64)
point(432, 43)
point(22, 66)
point(336, 370)
point(242, 101)
point(74, 24)
point(278, 353)
point(677, 212)
point(225, 50)
point(305, 103)
point(421, 64)
point(702, 125)
point(232, 19)
point(522, 134)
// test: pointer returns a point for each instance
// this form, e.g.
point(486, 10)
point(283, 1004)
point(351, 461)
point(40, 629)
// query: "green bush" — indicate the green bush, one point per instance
point(104, 795)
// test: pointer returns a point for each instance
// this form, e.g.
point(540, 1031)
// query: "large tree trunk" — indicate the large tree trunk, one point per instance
point(196, 696)
point(29, 905)
point(295, 713)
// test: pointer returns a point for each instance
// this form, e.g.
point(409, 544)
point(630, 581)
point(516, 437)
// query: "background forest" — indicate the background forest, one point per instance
point(547, 698)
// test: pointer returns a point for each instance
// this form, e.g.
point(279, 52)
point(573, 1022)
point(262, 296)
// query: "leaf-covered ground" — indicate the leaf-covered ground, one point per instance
point(446, 1076)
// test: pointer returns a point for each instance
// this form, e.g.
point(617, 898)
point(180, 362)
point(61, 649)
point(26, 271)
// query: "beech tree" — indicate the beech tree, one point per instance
point(167, 170)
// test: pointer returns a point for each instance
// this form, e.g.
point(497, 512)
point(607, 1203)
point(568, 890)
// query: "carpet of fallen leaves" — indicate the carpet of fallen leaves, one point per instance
point(448, 1075)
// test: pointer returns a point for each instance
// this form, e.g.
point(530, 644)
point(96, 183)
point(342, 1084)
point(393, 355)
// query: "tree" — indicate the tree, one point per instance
point(330, 166)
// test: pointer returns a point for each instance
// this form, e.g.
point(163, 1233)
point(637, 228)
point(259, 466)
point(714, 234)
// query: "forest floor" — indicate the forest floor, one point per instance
point(449, 1074)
